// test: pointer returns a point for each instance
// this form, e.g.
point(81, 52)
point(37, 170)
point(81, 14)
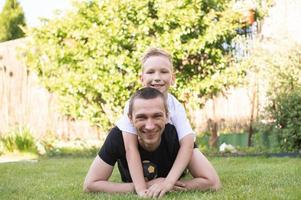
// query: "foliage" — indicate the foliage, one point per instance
point(286, 111)
point(71, 148)
point(278, 69)
point(265, 139)
point(2, 148)
point(90, 57)
point(19, 139)
point(11, 20)
point(242, 178)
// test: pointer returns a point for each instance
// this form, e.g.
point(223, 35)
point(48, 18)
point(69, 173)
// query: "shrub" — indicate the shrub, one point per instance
point(8, 142)
point(24, 140)
point(286, 111)
point(277, 66)
point(71, 148)
point(19, 139)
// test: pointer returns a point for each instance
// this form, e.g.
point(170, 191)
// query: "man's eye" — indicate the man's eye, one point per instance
point(140, 118)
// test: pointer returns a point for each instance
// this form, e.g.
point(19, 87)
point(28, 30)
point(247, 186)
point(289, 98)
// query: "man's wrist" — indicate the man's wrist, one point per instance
point(140, 188)
point(169, 182)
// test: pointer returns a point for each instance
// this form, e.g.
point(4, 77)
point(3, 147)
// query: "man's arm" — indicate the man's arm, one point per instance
point(204, 175)
point(181, 162)
point(134, 162)
point(97, 179)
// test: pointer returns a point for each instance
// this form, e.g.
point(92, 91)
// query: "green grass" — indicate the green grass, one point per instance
point(242, 178)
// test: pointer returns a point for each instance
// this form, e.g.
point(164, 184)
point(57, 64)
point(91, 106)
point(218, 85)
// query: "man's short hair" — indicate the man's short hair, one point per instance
point(146, 93)
point(156, 52)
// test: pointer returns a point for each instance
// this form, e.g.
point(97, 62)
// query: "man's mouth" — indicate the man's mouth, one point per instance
point(151, 134)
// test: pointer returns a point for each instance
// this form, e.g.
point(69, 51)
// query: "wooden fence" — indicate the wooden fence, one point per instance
point(23, 102)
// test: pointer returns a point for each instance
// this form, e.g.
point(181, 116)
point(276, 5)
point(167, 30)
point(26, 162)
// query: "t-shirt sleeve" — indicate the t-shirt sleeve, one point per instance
point(124, 123)
point(172, 140)
point(180, 121)
point(112, 148)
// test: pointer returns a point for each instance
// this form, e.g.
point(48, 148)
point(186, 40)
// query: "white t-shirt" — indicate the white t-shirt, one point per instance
point(177, 117)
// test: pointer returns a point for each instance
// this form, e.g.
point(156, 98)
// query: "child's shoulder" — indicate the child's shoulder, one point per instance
point(171, 99)
point(173, 104)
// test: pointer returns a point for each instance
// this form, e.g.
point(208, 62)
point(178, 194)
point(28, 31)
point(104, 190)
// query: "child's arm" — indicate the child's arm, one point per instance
point(134, 162)
point(131, 149)
point(181, 162)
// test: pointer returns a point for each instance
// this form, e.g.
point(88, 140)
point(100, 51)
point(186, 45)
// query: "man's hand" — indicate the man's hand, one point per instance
point(142, 193)
point(159, 188)
point(154, 181)
point(180, 186)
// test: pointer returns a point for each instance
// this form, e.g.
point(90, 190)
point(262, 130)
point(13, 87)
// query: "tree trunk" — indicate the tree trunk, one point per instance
point(253, 103)
point(213, 125)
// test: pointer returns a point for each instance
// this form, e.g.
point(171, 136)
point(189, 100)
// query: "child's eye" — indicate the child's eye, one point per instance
point(149, 72)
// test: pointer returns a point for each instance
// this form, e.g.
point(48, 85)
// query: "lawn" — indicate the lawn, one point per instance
point(242, 178)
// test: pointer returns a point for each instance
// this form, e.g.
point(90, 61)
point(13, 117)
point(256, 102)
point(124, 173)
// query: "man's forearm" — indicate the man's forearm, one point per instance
point(110, 187)
point(199, 184)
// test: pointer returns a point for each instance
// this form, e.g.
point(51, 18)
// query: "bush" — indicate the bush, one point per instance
point(278, 69)
point(286, 111)
point(71, 148)
point(19, 139)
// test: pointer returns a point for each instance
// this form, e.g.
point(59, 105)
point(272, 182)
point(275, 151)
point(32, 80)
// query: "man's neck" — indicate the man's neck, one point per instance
point(149, 147)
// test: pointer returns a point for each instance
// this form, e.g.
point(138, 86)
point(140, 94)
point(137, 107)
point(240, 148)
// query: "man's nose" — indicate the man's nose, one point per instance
point(149, 124)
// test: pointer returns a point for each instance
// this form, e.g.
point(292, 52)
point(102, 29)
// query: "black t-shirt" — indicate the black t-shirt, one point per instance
point(163, 157)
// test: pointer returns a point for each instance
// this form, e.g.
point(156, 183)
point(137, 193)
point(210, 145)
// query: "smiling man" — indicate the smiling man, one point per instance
point(158, 148)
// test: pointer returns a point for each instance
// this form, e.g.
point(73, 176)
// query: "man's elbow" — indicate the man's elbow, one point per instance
point(215, 184)
point(87, 187)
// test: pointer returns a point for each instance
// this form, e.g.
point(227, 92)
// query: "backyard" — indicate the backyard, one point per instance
point(64, 85)
point(242, 178)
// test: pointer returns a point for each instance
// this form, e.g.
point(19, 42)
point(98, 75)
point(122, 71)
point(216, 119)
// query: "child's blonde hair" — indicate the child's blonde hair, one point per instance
point(156, 52)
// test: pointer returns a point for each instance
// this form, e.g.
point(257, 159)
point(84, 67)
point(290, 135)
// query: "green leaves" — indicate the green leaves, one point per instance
point(91, 57)
point(11, 20)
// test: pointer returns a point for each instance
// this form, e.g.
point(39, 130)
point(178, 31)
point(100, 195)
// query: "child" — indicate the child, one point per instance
point(157, 72)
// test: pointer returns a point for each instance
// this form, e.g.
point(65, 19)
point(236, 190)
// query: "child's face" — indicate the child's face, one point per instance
point(157, 73)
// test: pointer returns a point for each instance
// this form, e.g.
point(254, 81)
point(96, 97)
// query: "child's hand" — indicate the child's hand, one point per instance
point(159, 189)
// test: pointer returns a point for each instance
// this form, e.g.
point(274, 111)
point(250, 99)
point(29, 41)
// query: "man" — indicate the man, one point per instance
point(158, 148)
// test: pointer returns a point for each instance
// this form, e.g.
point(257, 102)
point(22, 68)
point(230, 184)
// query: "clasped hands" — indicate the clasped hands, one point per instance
point(158, 187)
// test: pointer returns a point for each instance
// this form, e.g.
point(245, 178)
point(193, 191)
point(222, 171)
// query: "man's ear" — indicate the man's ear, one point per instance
point(167, 115)
point(130, 117)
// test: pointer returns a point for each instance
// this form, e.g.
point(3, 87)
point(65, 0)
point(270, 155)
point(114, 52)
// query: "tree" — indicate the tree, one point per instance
point(90, 57)
point(11, 20)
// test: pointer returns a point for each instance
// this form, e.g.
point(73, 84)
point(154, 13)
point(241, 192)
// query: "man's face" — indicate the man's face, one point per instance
point(157, 73)
point(149, 118)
